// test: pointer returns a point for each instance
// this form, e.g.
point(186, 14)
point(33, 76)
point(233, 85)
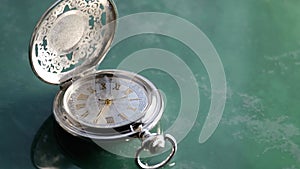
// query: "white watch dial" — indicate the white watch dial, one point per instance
point(107, 101)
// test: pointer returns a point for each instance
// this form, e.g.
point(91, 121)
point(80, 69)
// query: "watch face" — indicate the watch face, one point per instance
point(107, 100)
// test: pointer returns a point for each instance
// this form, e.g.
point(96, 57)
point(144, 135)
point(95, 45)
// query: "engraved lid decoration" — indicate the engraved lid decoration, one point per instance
point(71, 37)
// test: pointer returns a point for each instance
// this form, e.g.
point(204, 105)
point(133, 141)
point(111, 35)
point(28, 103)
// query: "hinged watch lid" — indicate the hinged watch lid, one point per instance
point(71, 37)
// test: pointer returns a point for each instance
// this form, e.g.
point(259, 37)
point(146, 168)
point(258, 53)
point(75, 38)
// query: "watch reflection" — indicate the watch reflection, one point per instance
point(54, 148)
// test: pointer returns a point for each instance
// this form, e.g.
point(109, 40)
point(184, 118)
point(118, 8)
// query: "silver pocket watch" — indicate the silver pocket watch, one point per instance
point(68, 43)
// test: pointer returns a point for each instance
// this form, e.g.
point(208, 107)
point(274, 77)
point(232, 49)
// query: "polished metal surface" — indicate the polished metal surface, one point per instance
point(258, 44)
point(150, 118)
point(67, 31)
point(155, 143)
point(69, 41)
point(71, 37)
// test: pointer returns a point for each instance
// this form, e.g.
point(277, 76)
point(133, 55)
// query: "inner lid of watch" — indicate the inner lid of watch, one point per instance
point(71, 37)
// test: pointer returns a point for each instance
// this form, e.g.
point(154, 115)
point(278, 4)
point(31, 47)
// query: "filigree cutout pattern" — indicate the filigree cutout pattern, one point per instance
point(52, 59)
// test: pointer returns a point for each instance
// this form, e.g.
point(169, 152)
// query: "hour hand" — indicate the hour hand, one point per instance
point(120, 98)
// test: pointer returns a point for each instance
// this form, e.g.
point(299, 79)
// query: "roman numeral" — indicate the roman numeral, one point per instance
point(128, 91)
point(110, 120)
point(80, 106)
point(134, 99)
point(84, 115)
point(117, 86)
point(91, 90)
point(131, 108)
point(123, 116)
point(82, 97)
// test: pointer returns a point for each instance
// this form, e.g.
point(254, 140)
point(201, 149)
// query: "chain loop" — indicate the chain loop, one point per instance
point(154, 143)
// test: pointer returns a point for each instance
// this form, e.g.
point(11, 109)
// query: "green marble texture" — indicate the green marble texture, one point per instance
point(258, 42)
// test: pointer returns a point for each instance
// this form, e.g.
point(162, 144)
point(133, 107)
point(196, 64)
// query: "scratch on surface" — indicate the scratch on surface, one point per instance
point(282, 63)
point(274, 132)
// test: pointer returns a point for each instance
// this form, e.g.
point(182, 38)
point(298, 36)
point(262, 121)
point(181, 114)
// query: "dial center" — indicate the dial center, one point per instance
point(108, 102)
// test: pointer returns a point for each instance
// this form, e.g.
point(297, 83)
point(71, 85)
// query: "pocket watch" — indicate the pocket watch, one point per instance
point(68, 43)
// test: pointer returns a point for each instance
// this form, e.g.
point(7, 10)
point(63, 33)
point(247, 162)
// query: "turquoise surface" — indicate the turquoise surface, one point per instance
point(258, 43)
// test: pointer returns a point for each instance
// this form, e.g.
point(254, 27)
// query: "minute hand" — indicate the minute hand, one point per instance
point(105, 107)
